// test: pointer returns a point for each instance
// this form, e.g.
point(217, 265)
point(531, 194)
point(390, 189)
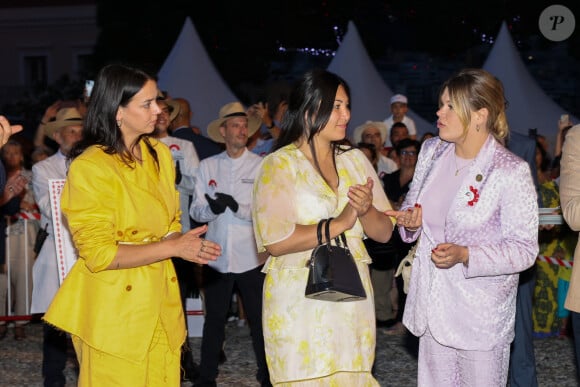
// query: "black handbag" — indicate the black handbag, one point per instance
point(333, 275)
point(40, 238)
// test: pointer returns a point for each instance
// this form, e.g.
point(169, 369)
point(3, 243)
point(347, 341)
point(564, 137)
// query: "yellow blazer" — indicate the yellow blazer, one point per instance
point(106, 203)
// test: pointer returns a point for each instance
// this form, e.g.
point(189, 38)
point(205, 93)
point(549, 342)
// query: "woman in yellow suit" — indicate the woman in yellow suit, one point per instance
point(121, 301)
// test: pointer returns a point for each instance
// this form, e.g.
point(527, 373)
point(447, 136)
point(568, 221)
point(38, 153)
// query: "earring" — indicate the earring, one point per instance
point(119, 123)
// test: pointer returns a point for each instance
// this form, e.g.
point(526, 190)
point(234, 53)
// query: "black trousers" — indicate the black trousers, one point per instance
point(522, 371)
point(218, 290)
point(54, 355)
point(575, 319)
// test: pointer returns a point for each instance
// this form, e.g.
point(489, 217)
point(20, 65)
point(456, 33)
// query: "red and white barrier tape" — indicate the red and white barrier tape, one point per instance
point(555, 261)
point(28, 215)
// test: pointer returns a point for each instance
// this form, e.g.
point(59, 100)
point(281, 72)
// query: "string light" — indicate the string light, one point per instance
point(314, 51)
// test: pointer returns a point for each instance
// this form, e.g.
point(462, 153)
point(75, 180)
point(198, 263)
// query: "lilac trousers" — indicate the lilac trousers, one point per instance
point(445, 366)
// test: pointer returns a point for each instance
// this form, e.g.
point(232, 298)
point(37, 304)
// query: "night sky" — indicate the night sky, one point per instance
point(244, 37)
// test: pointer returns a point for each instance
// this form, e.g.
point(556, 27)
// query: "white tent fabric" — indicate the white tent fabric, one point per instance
point(528, 106)
point(369, 93)
point(189, 73)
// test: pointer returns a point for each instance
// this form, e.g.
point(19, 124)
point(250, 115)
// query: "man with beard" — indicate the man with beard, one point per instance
point(222, 198)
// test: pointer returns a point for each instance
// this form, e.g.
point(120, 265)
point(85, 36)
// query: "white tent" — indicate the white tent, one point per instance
point(528, 105)
point(189, 73)
point(369, 93)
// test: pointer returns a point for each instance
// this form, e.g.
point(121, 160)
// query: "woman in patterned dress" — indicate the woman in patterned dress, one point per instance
point(310, 177)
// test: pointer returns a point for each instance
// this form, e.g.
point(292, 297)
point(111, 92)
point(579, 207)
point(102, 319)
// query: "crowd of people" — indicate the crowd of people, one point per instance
point(159, 212)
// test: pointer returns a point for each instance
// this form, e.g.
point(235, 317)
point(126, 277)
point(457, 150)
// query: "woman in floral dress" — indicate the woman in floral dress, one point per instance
point(311, 177)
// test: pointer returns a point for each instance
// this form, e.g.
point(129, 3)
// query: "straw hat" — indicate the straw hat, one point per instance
point(174, 106)
point(233, 109)
point(67, 116)
point(358, 132)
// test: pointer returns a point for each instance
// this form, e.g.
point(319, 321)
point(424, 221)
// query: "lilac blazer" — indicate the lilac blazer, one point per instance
point(473, 307)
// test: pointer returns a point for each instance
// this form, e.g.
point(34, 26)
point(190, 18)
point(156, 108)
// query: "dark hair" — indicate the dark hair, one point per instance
point(545, 163)
point(115, 86)
point(373, 149)
point(309, 108)
point(367, 146)
point(399, 125)
point(426, 136)
point(405, 143)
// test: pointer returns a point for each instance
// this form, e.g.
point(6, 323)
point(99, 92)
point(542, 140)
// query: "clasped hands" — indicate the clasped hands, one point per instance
point(447, 255)
point(221, 202)
point(360, 197)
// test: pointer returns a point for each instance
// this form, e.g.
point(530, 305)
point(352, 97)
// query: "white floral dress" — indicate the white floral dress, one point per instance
point(312, 342)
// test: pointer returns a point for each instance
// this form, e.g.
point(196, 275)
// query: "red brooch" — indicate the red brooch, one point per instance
point(472, 196)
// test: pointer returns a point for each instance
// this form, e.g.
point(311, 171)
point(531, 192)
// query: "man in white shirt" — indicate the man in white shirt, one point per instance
point(375, 132)
point(222, 198)
point(399, 109)
point(185, 158)
point(66, 130)
point(186, 164)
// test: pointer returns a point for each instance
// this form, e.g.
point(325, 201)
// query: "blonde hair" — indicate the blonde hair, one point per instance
point(473, 89)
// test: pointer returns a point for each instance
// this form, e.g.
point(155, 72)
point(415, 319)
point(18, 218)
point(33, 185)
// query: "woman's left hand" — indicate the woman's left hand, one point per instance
point(411, 218)
point(447, 255)
point(361, 197)
point(193, 248)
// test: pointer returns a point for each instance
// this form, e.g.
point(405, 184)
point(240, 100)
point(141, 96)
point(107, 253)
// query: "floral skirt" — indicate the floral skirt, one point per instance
point(313, 342)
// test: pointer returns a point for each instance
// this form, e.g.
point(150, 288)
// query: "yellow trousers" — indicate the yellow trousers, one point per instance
point(161, 366)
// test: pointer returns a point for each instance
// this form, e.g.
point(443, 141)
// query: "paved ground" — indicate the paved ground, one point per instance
point(396, 365)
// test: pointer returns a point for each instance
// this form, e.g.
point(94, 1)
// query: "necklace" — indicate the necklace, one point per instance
point(459, 169)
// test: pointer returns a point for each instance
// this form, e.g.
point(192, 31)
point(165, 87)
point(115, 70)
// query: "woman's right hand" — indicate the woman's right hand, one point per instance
point(193, 248)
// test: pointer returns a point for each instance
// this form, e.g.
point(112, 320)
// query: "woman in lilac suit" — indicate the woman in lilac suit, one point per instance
point(473, 204)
